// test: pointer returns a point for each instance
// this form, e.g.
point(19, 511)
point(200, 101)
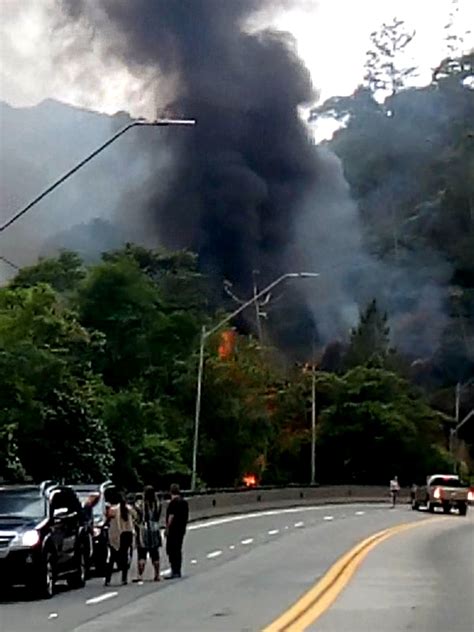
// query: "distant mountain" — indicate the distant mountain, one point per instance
point(37, 145)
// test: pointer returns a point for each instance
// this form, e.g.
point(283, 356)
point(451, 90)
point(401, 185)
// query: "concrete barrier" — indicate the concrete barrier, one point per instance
point(212, 504)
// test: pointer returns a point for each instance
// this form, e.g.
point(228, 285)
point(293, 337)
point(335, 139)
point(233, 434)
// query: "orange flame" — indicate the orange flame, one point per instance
point(250, 480)
point(227, 344)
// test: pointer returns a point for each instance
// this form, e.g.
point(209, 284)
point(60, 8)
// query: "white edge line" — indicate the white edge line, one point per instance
point(262, 514)
point(103, 597)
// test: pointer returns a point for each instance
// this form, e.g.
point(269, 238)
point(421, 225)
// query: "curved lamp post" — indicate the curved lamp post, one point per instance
point(205, 334)
point(138, 123)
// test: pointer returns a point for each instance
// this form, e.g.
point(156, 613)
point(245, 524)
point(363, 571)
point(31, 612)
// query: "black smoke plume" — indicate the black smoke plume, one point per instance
point(237, 178)
point(246, 188)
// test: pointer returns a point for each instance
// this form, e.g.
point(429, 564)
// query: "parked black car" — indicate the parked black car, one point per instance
point(105, 493)
point(43, 537)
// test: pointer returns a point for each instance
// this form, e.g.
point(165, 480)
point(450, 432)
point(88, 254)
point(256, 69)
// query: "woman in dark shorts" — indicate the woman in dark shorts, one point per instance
point(148, 532)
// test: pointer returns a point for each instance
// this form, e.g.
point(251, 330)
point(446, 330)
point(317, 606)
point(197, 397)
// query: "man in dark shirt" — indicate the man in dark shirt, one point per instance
point(177, 515)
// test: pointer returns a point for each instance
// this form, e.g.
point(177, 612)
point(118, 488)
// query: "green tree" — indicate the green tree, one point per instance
point(236, 429)
point(370, 340)
point(63, 273)
point(47, 395)
point(384, 70)
point(376, 427)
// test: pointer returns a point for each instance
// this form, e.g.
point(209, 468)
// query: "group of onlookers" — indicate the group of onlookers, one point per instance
point(137, 526)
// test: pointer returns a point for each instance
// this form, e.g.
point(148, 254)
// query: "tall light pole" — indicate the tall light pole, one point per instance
point(205, 334)
point(138, 123)
point(453, 435)
point(257, 307)
point(313, 418)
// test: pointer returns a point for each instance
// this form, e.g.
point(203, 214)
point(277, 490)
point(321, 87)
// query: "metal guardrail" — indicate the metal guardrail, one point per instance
point(213, 503)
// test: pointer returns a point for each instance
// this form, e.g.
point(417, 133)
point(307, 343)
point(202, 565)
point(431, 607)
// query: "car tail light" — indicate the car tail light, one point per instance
point(437, 493)
point(470, 495)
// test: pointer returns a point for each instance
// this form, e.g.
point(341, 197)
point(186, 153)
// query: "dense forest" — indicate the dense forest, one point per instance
point(99, 376)
point(99, 360)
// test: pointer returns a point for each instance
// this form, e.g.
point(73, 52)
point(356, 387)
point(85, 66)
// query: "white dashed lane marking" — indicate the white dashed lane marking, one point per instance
point(232, 547)
point(328, 517)
point(273, 531)
point(100, 598)
point(213, 554)
point(360, 513)
point(299, 524)
point(247, 541)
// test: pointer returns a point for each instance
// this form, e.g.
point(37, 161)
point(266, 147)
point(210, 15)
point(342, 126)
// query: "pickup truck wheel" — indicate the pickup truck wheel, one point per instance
point(78, 578)
point(463, 509)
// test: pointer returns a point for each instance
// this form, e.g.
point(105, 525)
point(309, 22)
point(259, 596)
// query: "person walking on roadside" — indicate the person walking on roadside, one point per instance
point(394, 490)
point(120, 538)
point(148, 532)
point(177, 515)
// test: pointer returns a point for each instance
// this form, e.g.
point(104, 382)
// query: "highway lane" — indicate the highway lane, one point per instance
point(421, 580)
point(253, 547)
point(241, 572)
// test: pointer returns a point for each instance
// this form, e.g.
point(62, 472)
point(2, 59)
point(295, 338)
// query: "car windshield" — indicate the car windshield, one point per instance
point(447, 481)
point(23, 505)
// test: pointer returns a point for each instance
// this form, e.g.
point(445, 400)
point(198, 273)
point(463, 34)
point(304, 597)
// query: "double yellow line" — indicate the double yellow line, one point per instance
point(323, 594)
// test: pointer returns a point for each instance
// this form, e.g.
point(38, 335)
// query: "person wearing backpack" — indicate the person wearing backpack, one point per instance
point(148, 532)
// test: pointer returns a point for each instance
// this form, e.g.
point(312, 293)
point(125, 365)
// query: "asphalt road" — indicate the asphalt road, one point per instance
point(241, 572)
point(421, 580)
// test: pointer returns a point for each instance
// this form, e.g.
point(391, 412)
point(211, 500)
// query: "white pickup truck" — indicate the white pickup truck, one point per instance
point(442, 490)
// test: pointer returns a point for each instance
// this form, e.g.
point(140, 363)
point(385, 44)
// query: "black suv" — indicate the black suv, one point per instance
point(43, 537)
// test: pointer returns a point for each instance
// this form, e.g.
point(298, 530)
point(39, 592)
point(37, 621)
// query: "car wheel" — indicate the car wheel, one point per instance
point(463, 509)
point(78, 578)
point(43, 586)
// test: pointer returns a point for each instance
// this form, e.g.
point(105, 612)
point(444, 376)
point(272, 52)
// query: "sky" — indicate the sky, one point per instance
point(332, 37)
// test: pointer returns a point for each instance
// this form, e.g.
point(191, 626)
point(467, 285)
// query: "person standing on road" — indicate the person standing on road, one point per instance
point(148, 532)
point(120, 539)
point(394, 490)
point(177, 515)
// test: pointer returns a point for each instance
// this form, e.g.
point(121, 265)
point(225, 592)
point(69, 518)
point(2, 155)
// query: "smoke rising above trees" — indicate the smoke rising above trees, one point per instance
point(247, 189)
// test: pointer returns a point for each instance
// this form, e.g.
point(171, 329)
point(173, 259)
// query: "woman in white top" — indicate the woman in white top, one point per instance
point(120, 538)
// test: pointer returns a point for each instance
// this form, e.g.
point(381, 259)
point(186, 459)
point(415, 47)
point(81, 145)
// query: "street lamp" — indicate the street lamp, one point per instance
point(206, 334)
point(453, 438)
point(164, 122)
